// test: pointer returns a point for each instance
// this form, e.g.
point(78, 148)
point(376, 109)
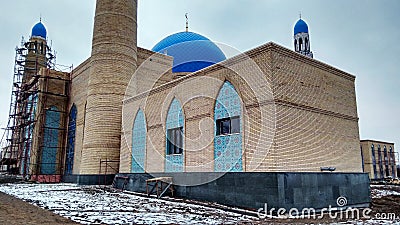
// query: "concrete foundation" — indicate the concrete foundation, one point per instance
point(254, 190)
point(89, 179)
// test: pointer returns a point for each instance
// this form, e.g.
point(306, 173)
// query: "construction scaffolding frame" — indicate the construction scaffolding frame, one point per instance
point(34, 126)
point(107, 167)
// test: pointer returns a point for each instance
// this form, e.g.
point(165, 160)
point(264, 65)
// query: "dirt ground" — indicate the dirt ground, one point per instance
point(14, 211)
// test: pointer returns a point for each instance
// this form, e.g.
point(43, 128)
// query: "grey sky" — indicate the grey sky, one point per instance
point(359, 37)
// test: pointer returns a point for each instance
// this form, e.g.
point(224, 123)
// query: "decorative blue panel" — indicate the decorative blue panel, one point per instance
point(228, 103)
point(174, 163)
point(31, 110)
point(69, 162)
point(50, 141)
point(138, 143)
point(228, 148)
point(175, 115)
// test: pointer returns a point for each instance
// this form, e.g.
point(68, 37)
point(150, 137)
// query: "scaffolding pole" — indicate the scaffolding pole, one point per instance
point(28, 113)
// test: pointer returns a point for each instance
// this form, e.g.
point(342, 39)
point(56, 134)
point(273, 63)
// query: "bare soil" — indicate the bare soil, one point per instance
point(14, 211)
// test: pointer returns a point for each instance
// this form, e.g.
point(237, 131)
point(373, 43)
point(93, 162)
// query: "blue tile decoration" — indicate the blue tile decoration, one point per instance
point(175, 115)
point(50, 141)
point(69, 162)
point(31, 107)
point(228, 148)
point(139, 143)
point(174, 163)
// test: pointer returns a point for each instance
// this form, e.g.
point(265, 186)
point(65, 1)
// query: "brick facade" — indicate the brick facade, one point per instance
point(300, 114)
point(296, 114)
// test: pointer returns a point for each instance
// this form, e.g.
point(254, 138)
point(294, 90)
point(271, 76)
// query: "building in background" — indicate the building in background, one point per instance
point(379, 159)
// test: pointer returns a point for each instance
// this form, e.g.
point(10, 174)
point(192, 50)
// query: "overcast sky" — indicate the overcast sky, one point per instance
point(359, 37)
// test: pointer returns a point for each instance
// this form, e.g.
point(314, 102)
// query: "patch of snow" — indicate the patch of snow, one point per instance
point(378, 193)
point(93, 205)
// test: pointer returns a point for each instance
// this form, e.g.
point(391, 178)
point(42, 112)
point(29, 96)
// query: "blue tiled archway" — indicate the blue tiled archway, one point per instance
point(69, 162)
point(174, 159)
point(139, 143)
point(228, 130)
point(50, 141)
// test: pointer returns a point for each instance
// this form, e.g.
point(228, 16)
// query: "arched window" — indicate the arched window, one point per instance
point(374, 162)
point(138, 143)
point(380, 162)
point(300, 44)
point(228, 130)
point(174, 138)
point(295, 45)
point(386, 161)
point(69, 162)
point(50, 141)
point(392, 162)
point(306, 43)
point(31, 110)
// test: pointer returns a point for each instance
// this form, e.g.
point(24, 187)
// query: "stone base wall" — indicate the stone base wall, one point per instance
point(254, 190)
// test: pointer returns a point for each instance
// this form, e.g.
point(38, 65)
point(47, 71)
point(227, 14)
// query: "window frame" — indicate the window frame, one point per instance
point(232, 129)
point(175, 141)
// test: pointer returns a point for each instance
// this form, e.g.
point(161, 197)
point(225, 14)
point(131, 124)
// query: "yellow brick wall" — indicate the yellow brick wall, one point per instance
point(299, 114)
point(53, 86)
point(113, 62)
point(80, 76)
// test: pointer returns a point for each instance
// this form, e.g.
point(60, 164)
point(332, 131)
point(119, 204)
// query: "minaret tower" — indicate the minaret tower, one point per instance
point(302, 38)
point(37, 50)
point(113, 63)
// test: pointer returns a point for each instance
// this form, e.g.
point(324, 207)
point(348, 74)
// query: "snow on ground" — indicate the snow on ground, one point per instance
point(379, 191)
point(93, 205)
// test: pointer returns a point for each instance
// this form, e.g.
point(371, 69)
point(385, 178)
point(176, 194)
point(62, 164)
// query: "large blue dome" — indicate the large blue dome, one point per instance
point(39, 30)
point(300, 27)
point(191, 51)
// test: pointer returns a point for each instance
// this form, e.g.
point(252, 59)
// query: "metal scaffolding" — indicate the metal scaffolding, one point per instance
point(28, 114)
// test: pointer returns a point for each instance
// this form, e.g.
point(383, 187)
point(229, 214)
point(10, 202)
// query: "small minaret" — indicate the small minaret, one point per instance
point(113, 63)
point(37, 50)
point(302, 38)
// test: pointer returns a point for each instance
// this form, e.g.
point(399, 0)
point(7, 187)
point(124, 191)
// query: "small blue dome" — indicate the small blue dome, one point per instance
point(191, 51)
point(300, 27)
point(39, 30)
